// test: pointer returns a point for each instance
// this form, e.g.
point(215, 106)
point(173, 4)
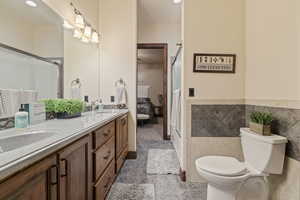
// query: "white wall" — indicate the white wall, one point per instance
point(215, 26)
point(18, 33)
point(118, 28)
point(152, 75)
point(81, 61)
point(273, 71)
point(48, 41)
point(273, 67)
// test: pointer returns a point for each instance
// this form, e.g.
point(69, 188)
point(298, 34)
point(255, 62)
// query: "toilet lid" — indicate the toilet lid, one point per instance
point(221, 165)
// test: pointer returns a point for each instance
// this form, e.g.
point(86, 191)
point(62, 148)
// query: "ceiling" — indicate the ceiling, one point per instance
point(39, 16)
point(150, 56)
point(159, 11)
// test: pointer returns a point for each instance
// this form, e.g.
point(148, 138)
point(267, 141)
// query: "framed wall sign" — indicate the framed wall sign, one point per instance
point(214, 63)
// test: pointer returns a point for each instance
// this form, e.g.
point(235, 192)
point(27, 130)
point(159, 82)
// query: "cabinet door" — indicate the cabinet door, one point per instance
point(121, 135)
point(38, 182)
point(75, 171)
point(124, 132)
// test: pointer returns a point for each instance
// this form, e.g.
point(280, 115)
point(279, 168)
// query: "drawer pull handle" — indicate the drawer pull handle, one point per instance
point(54, 169)
point(64, 163)
point(105, 134)
point(108, 155)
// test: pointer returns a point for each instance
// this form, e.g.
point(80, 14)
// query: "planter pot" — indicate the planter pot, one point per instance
point(67, 116)
point(260, 129)
point(50, 115)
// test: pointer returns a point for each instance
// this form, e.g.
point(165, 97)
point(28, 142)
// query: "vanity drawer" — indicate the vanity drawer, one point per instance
point(121, 159)
point(102, 135)
point(103, 156)
point(102, 187)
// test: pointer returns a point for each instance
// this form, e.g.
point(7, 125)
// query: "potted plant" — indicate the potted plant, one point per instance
point(260, 123)
point(64, 108)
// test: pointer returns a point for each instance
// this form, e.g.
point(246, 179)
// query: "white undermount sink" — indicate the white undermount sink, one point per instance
point(11, 143)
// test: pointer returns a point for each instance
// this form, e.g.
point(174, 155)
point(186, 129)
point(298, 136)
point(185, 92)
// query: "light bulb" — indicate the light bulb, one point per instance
point(67, 25)
point(31, 3)
point(87, 31)
point(95, 37)
point(77, 34)
point(177, 1)
point(79, 21)
point(85, 39)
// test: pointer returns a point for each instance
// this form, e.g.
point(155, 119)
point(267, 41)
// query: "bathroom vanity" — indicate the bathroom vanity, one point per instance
point(81, 163)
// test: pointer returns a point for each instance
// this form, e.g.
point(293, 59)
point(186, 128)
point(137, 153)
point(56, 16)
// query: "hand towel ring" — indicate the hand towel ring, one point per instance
point(121, 82)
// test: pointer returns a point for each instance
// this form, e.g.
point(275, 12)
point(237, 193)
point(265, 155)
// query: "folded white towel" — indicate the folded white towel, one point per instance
point(121, 95)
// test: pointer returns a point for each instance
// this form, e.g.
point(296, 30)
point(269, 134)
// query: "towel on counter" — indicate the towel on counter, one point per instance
point(121, 95)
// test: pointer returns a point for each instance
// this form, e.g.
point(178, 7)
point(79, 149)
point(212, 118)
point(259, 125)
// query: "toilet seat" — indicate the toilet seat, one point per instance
point(222, 166)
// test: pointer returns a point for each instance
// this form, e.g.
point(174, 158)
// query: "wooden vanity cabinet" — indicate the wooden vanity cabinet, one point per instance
point(83, 170)
point(75, 171)
point(39, 182)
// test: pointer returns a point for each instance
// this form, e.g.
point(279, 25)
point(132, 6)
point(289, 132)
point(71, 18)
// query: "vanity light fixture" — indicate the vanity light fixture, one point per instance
point(85, 39)
point(79, 21)
point(31, 3)
point(95, 37)
point(177, 1)
point(77, 34)
point(87, 31)
point(67, 25)
point(84, 31)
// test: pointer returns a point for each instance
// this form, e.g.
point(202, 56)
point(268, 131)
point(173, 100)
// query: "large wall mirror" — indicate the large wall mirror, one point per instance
point(31, 47)
point(31, 51)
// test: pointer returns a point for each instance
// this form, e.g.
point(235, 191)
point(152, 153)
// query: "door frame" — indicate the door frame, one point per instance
point(163, 46)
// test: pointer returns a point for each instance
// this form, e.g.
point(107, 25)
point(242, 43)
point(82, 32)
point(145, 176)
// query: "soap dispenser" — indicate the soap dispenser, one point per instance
point(21, 118)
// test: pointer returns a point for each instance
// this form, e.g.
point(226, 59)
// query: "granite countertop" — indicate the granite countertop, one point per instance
point(55, 135)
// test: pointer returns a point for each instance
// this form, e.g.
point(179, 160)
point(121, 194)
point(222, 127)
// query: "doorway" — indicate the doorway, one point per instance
point(156, 54)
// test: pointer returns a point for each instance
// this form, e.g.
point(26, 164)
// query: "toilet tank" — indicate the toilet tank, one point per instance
point(263, 153)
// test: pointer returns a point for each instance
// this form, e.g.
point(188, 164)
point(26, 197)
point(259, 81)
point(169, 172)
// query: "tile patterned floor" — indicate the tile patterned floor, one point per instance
point(166, 187)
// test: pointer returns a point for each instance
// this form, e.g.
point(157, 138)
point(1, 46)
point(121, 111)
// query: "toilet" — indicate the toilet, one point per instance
point(226, 176)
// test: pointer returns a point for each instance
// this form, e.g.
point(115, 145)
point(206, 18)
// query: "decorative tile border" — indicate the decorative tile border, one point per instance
point(217, 120)
point(226, 120)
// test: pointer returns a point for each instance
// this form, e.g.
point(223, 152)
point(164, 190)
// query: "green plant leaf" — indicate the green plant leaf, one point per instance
point(69, 106)
point(261, 118)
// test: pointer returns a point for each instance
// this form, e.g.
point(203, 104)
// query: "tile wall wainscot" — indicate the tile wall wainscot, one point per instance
point(217, 120)
point(287, 124)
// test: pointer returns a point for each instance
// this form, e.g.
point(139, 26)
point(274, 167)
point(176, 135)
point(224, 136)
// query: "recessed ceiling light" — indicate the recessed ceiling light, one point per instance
point(177, 1)
point(31, 3)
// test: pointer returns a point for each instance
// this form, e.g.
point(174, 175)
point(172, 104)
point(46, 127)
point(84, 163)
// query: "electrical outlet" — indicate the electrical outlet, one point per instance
point(191, 92)
point(112, 99)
